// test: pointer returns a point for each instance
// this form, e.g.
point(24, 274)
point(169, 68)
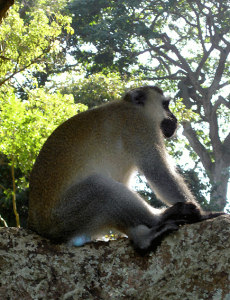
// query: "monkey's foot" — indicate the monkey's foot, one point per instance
point(152, 237)
point(144, 237)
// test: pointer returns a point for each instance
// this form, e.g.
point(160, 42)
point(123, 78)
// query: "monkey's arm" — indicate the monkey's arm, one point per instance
point(167, 184)
point(170, 187)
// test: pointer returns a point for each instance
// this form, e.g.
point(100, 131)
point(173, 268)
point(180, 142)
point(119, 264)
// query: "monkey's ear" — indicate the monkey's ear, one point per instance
point(137, 97)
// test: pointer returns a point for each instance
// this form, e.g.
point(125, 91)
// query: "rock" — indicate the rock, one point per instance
point(192, 263)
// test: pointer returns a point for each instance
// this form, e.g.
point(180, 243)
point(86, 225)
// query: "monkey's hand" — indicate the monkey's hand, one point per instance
point(187, 213)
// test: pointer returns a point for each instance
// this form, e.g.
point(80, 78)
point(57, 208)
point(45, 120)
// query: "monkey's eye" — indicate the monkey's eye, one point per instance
point(166, 104)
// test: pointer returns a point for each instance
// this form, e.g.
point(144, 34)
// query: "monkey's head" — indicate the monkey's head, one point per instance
point(156, 104)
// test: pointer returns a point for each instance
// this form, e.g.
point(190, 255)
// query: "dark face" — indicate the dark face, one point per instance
point(169, 125)
point(139, 97)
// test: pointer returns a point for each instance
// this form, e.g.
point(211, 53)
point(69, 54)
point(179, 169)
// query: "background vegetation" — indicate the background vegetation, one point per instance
point(59, 57)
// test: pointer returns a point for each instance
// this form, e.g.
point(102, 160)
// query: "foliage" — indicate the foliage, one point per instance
point(97, 88)
point(182, 113)
point(22, 195)
point(118, 32)
point(30, 38)
point(28, 44)
point(24, 128)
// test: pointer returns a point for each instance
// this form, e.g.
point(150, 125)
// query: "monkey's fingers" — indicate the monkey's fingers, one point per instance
point(154, 237)
point(187, 211)
point(156, 234)
point(170, 224)
point(211, 215)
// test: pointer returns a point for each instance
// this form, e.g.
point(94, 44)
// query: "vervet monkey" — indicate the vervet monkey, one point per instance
point(79, 182)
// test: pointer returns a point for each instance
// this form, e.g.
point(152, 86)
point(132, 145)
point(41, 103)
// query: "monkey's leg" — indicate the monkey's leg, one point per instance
point(98, 202)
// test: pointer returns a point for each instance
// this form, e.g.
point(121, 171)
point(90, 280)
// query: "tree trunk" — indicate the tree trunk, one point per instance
point(219, 179)
point(4, 6)
point(218, 171)
point(192, 263)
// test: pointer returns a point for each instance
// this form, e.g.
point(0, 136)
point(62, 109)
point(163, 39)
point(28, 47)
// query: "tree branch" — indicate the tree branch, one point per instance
point(214, 135)
point(220, 101)
point(191, 135)
point(183, 63)
point(4, 222)
point(159, 52)
point(4, 58)
point(226, 142)
point(172, 77)
point(226, 150)
point(162, 62)
point(198, 26)
point(223, 85)
point(203, 60)
point(25, 67)
point(219, 71)
point(2, 187)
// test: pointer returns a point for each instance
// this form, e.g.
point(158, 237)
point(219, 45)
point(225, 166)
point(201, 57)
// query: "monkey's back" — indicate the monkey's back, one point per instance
point(78, 147)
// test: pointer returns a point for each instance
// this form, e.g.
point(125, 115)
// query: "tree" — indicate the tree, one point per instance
point(95, 89)
point(25, 45)
point(24, 128)
point(187, 43)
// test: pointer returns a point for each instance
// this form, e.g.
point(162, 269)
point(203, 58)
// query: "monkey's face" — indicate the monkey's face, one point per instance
point(152, 100)
point(169, 124)
point(160, 103)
